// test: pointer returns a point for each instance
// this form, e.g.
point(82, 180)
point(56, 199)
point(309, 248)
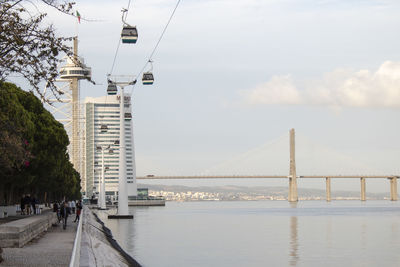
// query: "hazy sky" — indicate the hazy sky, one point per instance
point(232, 77)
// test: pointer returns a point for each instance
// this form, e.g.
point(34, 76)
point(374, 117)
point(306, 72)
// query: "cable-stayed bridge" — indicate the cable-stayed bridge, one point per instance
point(292, 174)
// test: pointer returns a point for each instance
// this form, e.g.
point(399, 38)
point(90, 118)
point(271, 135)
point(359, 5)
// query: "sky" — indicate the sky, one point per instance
point(232, 77)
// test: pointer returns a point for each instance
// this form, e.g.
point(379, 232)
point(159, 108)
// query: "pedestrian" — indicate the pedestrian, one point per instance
point(33, 204)
point(65, 211)
point(73, 205)
point(78, 210)
point(28, 204)
point(22, 205)
point(57, 210)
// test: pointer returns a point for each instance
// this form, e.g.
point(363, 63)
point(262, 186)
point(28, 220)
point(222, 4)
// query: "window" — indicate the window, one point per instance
point(107, 105)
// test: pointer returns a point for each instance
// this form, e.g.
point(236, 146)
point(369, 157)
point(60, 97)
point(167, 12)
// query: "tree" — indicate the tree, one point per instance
point(15, 131)
point(28, 47)
point(33, 150)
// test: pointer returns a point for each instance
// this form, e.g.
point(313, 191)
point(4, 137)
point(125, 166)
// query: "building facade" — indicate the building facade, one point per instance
point(102, 131)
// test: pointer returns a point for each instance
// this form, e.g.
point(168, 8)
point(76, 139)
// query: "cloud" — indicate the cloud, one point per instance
point(339, 88)
point(278, 90)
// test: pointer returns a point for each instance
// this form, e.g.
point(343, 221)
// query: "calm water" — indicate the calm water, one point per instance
point(263, 233)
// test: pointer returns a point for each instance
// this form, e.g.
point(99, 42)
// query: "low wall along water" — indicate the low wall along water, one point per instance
point(18, 233)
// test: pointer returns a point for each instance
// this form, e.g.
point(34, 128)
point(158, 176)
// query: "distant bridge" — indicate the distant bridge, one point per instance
point(391, 178)
point(293, 195)
point(163, 177)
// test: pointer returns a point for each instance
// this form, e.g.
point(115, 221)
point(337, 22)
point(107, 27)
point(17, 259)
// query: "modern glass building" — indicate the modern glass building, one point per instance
point(102, 131)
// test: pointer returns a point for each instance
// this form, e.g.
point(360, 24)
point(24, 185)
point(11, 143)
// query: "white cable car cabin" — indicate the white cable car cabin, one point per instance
point(112, 89)
point(148, 78)
point(128, 116)
point(129, 34)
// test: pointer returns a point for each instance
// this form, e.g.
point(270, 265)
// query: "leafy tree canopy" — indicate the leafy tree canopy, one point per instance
point(33, 149)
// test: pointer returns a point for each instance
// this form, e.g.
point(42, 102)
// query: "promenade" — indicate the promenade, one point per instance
point(51, 248)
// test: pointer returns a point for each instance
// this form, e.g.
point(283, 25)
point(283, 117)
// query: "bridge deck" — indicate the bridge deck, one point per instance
point(261, 176)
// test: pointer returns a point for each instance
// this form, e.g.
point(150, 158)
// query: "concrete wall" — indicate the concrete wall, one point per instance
point(18, 233)
point(9, 210)
point(95, 248)
point(153, 202)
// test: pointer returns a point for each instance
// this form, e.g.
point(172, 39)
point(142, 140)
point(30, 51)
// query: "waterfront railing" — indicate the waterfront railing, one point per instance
point(76, 251)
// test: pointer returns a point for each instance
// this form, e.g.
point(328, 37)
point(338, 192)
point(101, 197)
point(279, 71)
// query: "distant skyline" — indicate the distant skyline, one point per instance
point(231, 76)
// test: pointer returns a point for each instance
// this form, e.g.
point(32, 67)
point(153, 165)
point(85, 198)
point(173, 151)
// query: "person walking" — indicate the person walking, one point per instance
point(33, 204)
point(65, 211)
point(57, 210)
point(73, 205)
point(28, 204)
point(78, 211)
point(22, 205)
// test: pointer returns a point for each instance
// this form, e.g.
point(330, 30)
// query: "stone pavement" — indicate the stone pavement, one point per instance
point(51, 248)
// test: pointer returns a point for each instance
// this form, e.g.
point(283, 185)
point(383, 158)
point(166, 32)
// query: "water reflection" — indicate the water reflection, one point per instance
point(123, 230)
point(394, 233)
point(294, 246)
point(341, 233)
point(329, 233)
point(364, 240)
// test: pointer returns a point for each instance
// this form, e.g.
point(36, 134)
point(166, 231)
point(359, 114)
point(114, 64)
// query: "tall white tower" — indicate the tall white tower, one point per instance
point(67, 109)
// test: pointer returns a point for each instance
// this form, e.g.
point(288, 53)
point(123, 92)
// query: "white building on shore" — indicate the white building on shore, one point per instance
point(105, 111)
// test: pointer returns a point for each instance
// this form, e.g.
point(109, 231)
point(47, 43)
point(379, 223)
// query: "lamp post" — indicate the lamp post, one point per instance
point(99, 188)
point(102, 195)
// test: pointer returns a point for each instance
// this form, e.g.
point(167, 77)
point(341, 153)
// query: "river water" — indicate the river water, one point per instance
point(263, 233)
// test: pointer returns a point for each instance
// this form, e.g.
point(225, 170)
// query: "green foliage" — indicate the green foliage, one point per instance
point(33, 149)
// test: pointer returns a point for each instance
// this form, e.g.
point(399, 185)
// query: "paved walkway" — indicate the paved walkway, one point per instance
point(52, 248)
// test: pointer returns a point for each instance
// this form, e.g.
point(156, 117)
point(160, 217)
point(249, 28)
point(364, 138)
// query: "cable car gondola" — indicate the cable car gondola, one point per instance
point(128, 116)
point(129, 34)
point(148, 78)
point(112, 88)
point(103, 128)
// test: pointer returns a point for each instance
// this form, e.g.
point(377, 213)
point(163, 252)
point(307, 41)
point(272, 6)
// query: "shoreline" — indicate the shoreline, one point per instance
point(107, 232)
point(98, 246)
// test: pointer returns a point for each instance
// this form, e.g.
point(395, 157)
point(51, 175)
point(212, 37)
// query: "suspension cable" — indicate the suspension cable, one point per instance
point(157, 44)
point(115, 56)
point(119, 41)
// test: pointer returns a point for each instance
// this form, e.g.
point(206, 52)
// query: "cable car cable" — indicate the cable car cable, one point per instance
point(127, 9)
point(115, 56)
point(119, 41)
point(158, 42)
point(163, 32)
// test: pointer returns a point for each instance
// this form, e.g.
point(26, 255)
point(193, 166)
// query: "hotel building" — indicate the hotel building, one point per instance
point(101, 112)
